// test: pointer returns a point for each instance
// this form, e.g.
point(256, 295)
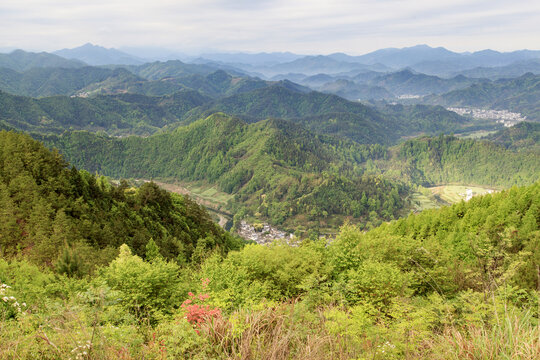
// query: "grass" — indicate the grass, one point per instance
point(435, 197)
point(476, 134)
point(423, 202)
point(515, 337)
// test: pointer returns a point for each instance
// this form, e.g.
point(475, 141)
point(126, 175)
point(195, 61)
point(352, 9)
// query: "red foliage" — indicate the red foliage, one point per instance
point(198, 313)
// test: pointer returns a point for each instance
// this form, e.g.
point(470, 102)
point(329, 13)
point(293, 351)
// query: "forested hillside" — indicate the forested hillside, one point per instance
point(450, 283)
point(275, 168)
point(330, 114)
point(406, 82)
point(49, 81)
point(446, 159)
point(520, 94)
point(119, 114)
point(20, 60)
point(67, 219)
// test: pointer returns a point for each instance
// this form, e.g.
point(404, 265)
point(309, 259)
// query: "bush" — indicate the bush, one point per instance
point(147, 289)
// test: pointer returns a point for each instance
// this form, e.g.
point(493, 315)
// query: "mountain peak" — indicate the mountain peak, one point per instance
point(99, 55)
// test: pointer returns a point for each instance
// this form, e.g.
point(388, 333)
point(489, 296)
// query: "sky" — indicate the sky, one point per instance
point(300, 26)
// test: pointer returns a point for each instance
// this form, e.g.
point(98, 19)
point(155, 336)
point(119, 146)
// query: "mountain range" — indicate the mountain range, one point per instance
point(98, 55)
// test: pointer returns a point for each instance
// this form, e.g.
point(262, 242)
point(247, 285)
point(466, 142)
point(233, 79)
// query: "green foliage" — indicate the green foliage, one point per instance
point(56, 215)
point(445, 283)
point(446, 159)
point(146, 289)
point(119, 114)
point(274, 168)
point(20, 60)
point(518, 94)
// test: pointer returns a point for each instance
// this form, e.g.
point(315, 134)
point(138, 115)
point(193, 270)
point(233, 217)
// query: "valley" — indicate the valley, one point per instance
point(269, 205)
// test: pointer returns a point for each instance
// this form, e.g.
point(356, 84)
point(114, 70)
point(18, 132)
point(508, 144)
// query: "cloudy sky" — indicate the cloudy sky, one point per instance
point(301, 26)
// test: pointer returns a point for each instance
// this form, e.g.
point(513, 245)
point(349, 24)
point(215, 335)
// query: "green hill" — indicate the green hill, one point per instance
point(42, 82)
point(20, 60)
point(275, 169)
point(169, 69)
point(520, 94)
point(118, 114)
point(447, 159)
point(406, 82)
point(333, 115)
point(524, 136)
point(49, 208)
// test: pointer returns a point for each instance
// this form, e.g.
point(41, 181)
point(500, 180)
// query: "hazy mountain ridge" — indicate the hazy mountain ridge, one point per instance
point(98, 55)
point(20, 60)
point(520, 95)
point(119, 114)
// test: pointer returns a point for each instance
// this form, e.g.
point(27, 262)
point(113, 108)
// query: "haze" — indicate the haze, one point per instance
point(305, 26)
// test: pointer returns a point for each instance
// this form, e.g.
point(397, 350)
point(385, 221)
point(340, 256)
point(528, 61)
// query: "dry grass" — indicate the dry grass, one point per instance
point(515, 337)
point(273, 334)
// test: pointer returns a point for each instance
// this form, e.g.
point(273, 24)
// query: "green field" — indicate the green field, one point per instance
point(444, 195)
point(456, 193)
point(476, 134)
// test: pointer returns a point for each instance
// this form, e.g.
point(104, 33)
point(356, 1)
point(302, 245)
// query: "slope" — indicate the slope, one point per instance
point(519, 95)
point(327, 114)
point(20, 60)
point(276, 170)
point(118, 114)
point(49, 209)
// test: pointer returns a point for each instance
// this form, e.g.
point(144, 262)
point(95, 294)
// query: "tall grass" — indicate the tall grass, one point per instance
point(515, 336)
point(274, 333)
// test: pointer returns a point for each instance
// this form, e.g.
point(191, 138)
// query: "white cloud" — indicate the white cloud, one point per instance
point(306, 26)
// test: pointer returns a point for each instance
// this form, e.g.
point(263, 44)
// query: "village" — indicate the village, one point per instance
point(505, 117)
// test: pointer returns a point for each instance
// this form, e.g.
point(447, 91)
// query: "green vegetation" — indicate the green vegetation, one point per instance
point(332, 115)
point(275, 169)
point(447, 159)
point(456, 282)
point(20, 60)
point(520, 95)
point(524, 136)
point(41, 82)
point(278, 171)
point(118, 115)
point(63, 218)
point(88, 81)
point(406, 82)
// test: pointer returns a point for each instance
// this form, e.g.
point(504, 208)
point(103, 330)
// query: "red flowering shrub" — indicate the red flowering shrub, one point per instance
point(196, 312)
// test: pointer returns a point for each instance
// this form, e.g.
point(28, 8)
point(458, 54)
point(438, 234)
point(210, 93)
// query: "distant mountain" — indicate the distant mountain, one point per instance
point(519, 95)
point(515, 69)
point(294, 77)
point(118, 115)
point(399, 58)
point(437, 61)
point(312, 65)
point(328, 114)
point(314, 81)
point(220, 83)
point(264, 59)
point(406, 82)
point(170, 69)
point(365, 76)
point(20, 60)
point(98, 55)
point(485, 58)
point(39, 82)
point(353, 91)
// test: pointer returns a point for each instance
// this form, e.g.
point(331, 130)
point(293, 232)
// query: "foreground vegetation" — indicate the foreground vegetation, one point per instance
point(453, 283)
